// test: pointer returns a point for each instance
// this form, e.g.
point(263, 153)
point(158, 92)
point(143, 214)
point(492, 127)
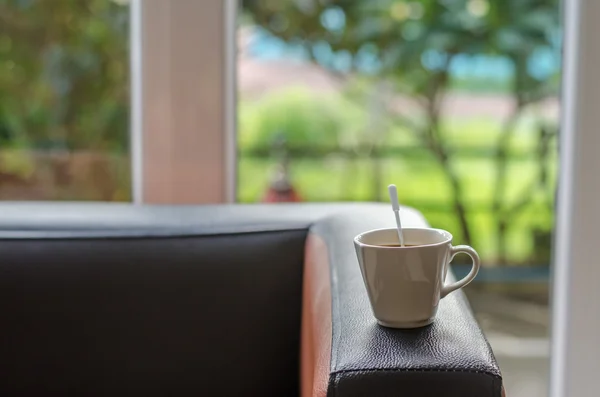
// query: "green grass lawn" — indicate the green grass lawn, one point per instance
point(423, 185)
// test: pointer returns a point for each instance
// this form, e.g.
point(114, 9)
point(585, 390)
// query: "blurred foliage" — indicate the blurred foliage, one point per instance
point(64, 74)
point(64, 100)
point(16, 163)
point(322, 173)
point(302, 117)
point(414, 39)
point(412, 47)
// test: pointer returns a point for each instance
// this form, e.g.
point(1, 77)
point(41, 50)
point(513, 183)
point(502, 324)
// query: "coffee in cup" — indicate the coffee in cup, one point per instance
point(406, 283)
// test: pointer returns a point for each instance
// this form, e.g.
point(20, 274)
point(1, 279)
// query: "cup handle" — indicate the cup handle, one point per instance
point(459, 249)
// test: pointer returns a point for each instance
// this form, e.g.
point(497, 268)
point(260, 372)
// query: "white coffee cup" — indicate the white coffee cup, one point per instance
point(405, 284)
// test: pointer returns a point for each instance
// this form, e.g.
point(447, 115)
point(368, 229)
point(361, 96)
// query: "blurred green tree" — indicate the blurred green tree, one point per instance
point(64, 74)
point(412, 45)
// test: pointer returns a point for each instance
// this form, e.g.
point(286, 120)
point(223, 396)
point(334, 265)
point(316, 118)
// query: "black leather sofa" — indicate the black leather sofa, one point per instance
point(257, 300)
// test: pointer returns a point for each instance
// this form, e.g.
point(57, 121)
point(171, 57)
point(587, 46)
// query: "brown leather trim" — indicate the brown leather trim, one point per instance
point(315, 354)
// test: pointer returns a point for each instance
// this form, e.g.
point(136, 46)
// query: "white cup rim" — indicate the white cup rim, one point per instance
point(447, 238)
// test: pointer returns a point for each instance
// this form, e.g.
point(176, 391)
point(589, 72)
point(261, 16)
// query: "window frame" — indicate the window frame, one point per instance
point(575, 352)
point(183, 97)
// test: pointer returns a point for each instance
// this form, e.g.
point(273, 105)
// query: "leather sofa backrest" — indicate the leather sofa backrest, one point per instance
point(211, 307)
point(120, 300)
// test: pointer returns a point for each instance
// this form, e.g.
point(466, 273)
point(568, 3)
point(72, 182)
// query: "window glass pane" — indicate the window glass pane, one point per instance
point(64, 100)
point(454, 101)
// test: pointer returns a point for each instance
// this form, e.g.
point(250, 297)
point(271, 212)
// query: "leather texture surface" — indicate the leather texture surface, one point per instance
point(120, 300)
point(211, 315)
point(110, 300)
point(449, 358)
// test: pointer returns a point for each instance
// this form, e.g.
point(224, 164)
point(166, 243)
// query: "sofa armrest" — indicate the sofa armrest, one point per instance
point(345, 353)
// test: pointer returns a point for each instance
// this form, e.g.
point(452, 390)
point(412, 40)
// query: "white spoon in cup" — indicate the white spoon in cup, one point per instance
point(396, 208)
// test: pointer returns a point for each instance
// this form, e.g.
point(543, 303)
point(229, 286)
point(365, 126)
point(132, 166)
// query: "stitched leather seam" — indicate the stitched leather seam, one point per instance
point(336, 330)
point(473, 371)
point(496, 380)
point(333, 377)
point(75, 235)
